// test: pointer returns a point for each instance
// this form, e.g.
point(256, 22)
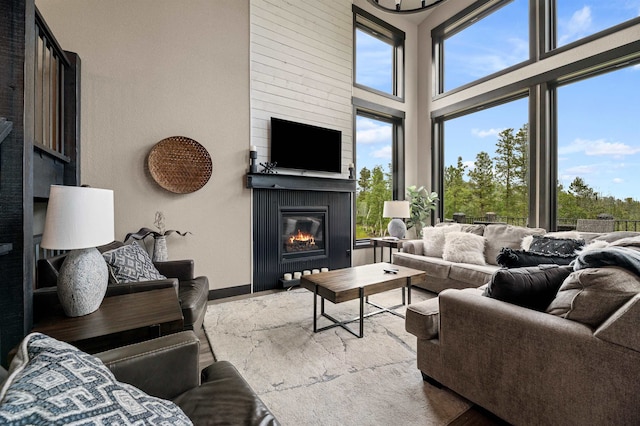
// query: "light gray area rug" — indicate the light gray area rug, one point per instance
point(330, 377)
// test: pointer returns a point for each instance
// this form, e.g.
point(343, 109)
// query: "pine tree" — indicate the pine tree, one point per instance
point(483, 184)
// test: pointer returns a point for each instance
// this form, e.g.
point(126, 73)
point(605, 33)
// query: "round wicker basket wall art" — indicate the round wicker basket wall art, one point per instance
point(179, 164)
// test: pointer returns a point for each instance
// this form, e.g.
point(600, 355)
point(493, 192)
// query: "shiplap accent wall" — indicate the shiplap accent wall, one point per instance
point(301, 68)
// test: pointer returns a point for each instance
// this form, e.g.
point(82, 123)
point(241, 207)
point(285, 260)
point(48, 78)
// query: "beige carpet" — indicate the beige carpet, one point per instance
point(330, 377)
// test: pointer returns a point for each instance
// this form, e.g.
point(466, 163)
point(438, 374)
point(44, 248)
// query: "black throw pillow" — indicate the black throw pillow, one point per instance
point(531, 287)
point(555, 246)
point(511, 258)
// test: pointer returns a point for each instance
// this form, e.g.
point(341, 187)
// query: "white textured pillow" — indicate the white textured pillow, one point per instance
point(464, 247)
point(433, 239)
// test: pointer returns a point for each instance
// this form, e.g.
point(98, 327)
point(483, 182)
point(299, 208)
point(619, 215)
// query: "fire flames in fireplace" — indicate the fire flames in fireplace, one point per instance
point(300, 241)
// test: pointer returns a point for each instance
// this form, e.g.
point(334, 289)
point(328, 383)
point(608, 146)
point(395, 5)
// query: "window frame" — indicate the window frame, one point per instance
point(459, 22)
point(541, 89)
point(375, 27)
point(396, 118)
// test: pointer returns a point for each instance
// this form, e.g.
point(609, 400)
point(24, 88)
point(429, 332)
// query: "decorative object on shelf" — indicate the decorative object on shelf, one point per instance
point(422, 203)
point(253, 156)
point(352, 169)
point(79, 219)
point(397, 210)
point(405, 6)
point(269, 167)
point(179, 164)
point(160, 253)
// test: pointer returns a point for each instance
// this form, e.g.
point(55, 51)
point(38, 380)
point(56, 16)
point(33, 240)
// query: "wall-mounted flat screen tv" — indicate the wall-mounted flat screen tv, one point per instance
point(305, 147)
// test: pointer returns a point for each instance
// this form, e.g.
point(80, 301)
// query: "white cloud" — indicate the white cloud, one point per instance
point(581, 170)
point(577, 26)
point(484, 133)
point(370, 132)
point(598, 147)
point(470, 164)
point(618, 180)
point(636, 67)
point(385, 153)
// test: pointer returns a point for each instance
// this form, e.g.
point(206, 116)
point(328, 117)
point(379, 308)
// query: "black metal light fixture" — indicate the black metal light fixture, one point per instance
point(405, 6)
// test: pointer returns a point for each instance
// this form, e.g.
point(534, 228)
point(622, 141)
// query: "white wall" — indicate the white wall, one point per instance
point(158, 68)
point(301, 66)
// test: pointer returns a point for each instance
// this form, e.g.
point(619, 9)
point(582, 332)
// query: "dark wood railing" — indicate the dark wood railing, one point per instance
point(562, 224)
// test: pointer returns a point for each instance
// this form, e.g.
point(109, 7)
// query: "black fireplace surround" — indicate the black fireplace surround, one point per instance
point(299, 223)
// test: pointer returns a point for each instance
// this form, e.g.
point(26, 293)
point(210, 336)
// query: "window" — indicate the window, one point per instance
point(491, 39)
point(379, 55)
point(598, 149)
point(576, 19)
point(379, 158)
point(486, 165)
point(576, 110)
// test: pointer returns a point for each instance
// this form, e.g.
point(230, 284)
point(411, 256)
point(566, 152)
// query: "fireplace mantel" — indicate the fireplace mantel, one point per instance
point(294, 182)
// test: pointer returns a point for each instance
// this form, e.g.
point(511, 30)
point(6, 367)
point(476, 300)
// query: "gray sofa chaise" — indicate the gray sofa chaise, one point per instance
point(574, 362)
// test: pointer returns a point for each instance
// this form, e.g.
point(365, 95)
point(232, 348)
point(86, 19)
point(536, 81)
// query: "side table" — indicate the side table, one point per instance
point(120, 320)
point(382, 243)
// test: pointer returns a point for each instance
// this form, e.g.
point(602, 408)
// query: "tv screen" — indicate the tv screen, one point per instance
point(305, 147)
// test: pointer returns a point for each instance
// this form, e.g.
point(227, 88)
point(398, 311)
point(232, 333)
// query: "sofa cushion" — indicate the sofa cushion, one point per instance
point(131, 263)
point(591, 295)
point(433, 239)
point(500, 235)
point(473, 275)
point(510, 258)
point(464, 247)
point(52, 382)
point(433, 266)
point(423, 319)
point(555, 246)
point(532, 287)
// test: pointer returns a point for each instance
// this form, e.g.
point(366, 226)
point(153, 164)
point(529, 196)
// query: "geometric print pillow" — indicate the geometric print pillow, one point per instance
point(52, 382)
point(131, 263)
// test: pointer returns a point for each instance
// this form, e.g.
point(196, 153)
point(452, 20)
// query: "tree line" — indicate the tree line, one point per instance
point(497, 184)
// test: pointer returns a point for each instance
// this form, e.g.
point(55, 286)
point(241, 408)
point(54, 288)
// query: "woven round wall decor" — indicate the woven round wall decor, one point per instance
point(179, 164)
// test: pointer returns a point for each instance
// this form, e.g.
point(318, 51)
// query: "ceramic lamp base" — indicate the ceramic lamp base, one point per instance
point(82, 282)
point(397, 228)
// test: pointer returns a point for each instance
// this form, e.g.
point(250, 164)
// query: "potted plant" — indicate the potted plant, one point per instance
point(421, 203)
point(160, 253)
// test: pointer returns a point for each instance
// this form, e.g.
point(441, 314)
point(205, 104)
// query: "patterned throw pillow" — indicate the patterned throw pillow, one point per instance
point(52, 382)
point(131, 263)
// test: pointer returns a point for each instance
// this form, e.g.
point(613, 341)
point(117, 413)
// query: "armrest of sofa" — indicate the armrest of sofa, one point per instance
point(621, 328)
point(183, 270)
point(139, 286)
point(413, 247)
point(164, 367)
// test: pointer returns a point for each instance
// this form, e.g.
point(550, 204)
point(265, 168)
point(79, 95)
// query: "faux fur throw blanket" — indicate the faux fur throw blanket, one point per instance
point(624, 253)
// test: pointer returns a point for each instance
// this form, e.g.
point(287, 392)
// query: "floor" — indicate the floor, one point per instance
point(474, 416)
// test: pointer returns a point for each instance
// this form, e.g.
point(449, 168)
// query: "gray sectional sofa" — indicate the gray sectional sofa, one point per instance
point(443, 273)
point(575, 362)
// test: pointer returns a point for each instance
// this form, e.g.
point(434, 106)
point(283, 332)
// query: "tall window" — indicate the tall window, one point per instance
point(598, 147)
point(496, 38)
point(378, 159)
point(579, 118)
point(486, 165)
point(576, 19)
point(379, 55)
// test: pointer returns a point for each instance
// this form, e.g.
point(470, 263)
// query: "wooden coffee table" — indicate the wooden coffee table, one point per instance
point(119, 320)
point(359, 282)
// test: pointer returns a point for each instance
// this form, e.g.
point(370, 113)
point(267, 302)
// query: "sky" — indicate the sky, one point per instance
point(599, 118)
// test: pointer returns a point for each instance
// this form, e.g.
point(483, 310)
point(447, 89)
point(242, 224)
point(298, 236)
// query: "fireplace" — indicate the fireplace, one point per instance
point(316, 212)
point(303, 232)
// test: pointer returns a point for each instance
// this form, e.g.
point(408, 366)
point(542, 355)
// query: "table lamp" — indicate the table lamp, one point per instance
point(79, 219)
point(397, 210)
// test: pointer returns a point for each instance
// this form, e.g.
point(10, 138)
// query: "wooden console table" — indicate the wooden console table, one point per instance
point(385, 242)
point(120, 320)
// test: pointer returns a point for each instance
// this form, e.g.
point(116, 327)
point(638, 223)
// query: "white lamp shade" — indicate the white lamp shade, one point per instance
point(78, 217)
point(398, 209)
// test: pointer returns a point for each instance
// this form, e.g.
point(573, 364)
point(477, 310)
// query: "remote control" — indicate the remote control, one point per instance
point(390, 271)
